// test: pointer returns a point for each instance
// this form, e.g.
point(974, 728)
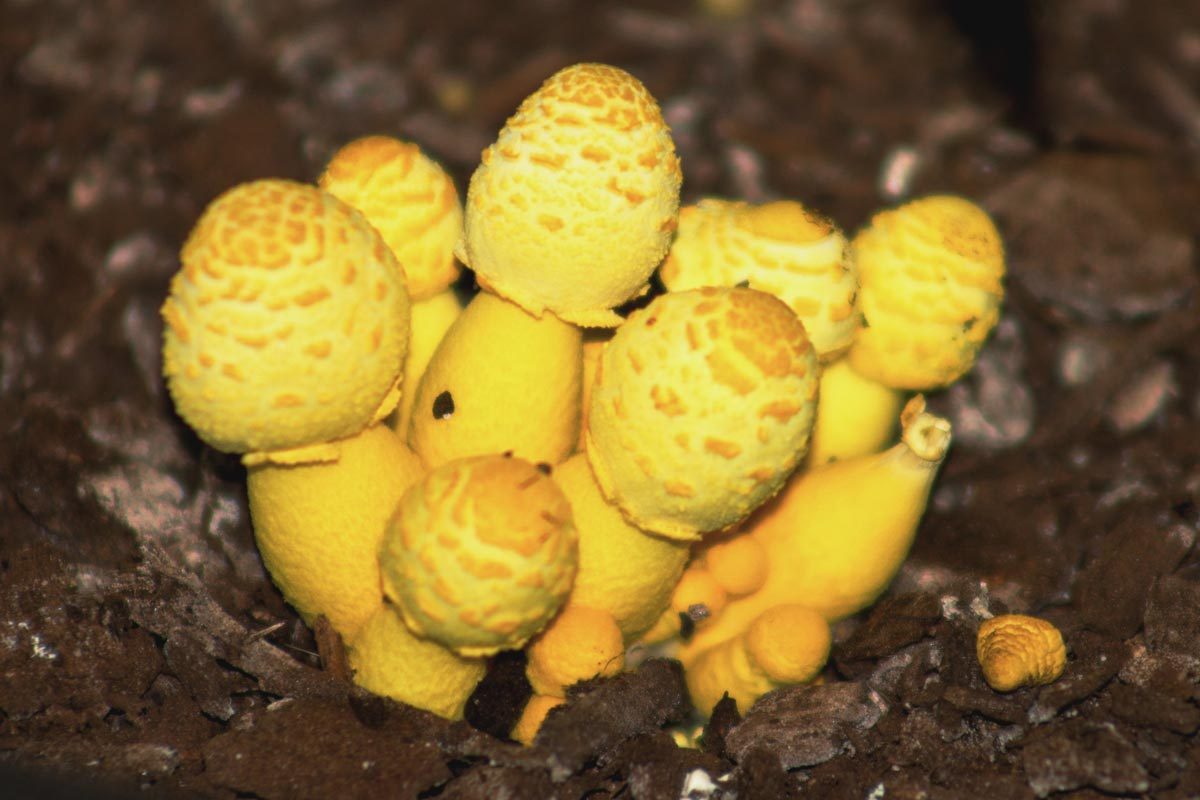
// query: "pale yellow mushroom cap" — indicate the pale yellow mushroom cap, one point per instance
point(409, 199)
point(701, 408)
point(931, 275)
point(781, 248)
point(575, 203)
point(480, 554)
point(287, 325)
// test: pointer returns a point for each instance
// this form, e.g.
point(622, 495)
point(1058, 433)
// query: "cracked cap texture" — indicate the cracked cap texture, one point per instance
point(781, 248)
point(575, 203)
point(480, 554)
point(409, 199)
point(287, 323)
point(931, 275)
point(702, 406)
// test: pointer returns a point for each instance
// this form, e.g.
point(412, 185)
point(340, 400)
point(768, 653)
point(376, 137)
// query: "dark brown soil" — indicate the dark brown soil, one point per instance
point(141, 644)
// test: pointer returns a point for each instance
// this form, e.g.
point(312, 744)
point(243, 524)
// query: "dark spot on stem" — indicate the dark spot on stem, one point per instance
point(443, 406)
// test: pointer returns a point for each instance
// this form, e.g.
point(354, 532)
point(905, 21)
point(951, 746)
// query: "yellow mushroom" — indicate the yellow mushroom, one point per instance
point(501, 380)
point(701, 408)
point(581, 643)
point(480, 554)
point(390, 660)
point(837, 534)
point(575, 203)
point(781, 248)
point(931, 278)
point(623, 571)
point(319, 525)
point(409, 199)
point(1015, 650)
point(784, 645)
point(413, 204)
point(533, 716)
point(287, 326)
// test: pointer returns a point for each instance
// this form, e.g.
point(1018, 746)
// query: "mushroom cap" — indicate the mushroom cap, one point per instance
point(480, 554)
point(782, 248)
point(287, 324)
point(701, 408)
point(409, 199)
point(575, 203)
point(931, 278)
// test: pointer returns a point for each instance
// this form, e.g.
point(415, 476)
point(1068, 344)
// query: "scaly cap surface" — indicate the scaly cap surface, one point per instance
point(931, 275)
point(409, 199)
point(287, 324)
point(575, 203)
point(701, 408)
point(781, 248)
point(480, 554)
point(1016, 650)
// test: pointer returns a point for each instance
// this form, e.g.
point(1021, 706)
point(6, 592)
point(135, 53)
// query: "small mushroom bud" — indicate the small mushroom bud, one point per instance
point(1015, 650)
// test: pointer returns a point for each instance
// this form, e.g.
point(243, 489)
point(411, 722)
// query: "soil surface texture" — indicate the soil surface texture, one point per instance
point(144, 652)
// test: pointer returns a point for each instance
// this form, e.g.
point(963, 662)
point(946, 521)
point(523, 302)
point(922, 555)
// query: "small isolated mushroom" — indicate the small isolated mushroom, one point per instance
point(1016, 650)
point(701, 409)
point(575, 203)
point(931, 276)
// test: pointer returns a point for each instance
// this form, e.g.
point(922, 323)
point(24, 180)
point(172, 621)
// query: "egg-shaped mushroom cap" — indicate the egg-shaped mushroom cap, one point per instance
point(409, 199)
point(702, 406)
point(480, 554)
point(287, 324)
point(931, 276)
point(575, 203)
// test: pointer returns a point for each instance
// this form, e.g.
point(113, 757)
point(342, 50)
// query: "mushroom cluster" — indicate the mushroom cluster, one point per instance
point(537, 469)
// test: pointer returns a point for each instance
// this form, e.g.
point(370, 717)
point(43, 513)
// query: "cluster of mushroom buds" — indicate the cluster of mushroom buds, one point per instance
point(533, 469)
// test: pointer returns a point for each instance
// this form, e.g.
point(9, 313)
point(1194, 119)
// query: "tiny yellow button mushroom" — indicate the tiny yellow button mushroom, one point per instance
point(287, 326)
point(319, 525)
point(781, 248)
point(480, 554)
point(737, 563)
point(533, 716)
point(623, 571)
point(413, 204)
point(836, 535)
point(575, 203)
point(701, 408)
point(1015, 650)
point(580, 644)
point(389, 659)
point(785, 645)
point(931, 276)
point(501, 380)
